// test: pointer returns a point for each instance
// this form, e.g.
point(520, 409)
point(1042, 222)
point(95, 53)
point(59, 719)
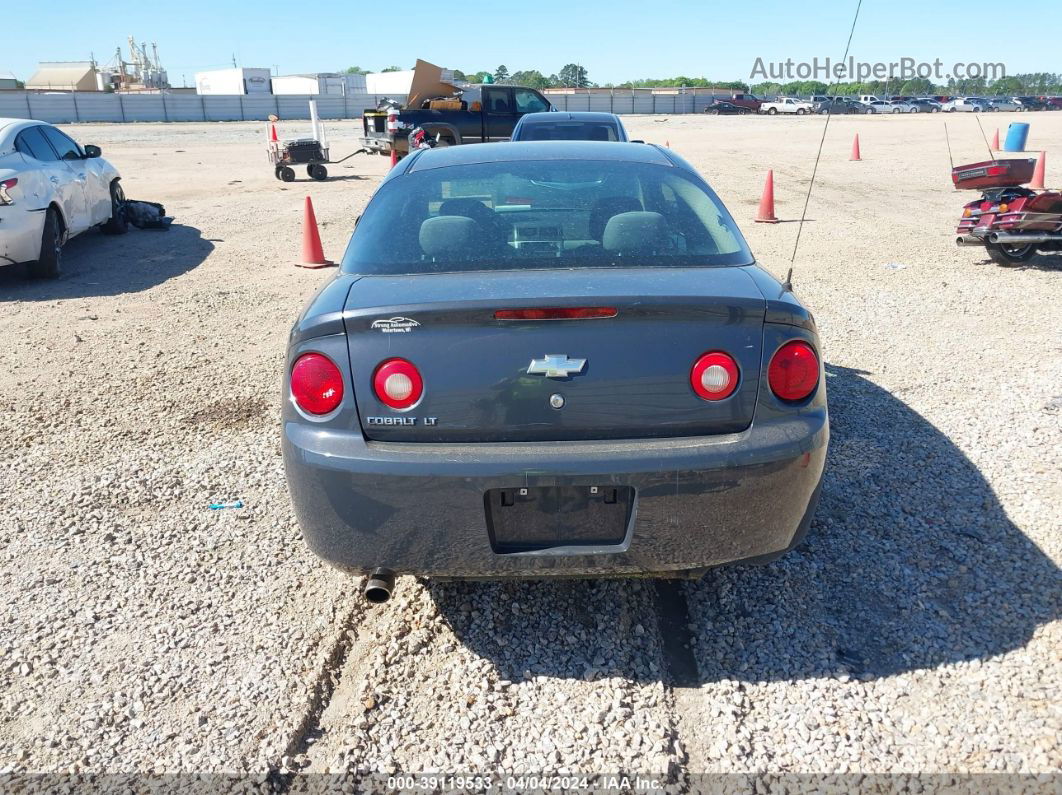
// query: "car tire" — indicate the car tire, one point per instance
point(117, 224)
point(286, 174)
point(713, 113)
point(800, 112)
point(49, 263)
point(317, 172)
point(1010, 255)
point(772, 111)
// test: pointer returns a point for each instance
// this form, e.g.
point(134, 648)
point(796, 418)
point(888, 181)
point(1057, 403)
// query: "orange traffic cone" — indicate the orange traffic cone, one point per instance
point(394, 157)
point(995, 141)
point(1038, 173)
point(766, 212)
point(855, 149)
point(312, 252)
point(273, 133)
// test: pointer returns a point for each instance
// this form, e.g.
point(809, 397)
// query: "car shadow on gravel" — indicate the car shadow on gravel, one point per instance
point(911, 564)
point(95, 264)
point(1040, 262)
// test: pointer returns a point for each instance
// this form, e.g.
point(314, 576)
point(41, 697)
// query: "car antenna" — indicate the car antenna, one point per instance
point(991, 154)
point(829, 113)
point(947, 140)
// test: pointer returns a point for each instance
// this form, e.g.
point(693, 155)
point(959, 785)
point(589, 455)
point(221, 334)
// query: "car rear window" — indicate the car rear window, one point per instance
point(566, 131)
point(543, 214)
point(32, 142)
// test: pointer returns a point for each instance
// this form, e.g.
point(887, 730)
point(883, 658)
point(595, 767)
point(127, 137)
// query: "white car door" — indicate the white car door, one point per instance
point(55, 179)
point(76, 203)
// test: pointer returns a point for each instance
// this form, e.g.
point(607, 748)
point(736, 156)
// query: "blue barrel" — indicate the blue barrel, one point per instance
point(1017, 134)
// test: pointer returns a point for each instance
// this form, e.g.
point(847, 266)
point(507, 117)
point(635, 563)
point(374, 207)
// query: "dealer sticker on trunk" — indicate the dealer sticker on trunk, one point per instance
point(395, 325)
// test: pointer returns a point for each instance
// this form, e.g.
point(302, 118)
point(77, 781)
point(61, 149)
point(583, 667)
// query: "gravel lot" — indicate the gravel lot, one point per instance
point(917, 630)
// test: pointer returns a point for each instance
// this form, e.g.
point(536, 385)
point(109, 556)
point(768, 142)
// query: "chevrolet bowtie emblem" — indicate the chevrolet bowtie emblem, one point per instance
point(556, 365)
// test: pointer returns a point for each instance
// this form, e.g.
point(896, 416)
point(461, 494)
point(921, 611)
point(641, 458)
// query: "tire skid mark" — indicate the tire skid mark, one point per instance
point(681, 674)
point(308, 729)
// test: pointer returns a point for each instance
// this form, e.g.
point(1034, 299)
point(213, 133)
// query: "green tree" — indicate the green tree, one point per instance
point(355, 70)
point(480, 77)
point(919, 88)
point(574, 76)
point(459, 75)
point(392, 69)
point(532, 78)
point(501, 74)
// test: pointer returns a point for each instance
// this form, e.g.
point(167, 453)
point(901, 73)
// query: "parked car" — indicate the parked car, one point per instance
point(868, 99)
point(566, 126)
point(749, 101)
point(483, 113)
point(786, 105)
point(881, 106)
point(494, 386)
point(925, 105)
point(1028, 103)
point(723, 108)
point(965, 105)
point(1001, 104)
point(902, 106)
point(835, 105)
point(51, 189)
point(1052, 103)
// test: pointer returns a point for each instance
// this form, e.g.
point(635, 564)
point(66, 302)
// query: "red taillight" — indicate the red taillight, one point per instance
point(5, 186)
point(397, 383)
point(714, 376)
point(794, 371)
point(316, 384)
point(556, 313)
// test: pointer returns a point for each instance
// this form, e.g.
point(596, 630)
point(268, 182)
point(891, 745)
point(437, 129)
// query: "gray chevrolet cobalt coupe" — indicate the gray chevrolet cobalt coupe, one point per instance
point(554, 358)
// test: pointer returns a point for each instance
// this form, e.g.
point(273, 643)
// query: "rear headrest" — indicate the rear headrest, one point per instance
point(446, 233)
point(634, 232)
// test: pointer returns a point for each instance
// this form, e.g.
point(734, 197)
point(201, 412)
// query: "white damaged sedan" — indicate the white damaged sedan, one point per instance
point(51, 189)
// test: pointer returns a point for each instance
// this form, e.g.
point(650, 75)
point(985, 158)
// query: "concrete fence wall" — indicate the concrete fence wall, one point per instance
point(70, 107)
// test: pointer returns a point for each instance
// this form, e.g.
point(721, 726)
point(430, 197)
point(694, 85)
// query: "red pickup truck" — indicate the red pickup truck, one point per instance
point(749, 101)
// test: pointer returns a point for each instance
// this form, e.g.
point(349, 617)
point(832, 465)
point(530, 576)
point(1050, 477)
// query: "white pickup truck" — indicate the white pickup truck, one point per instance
point(786, 105)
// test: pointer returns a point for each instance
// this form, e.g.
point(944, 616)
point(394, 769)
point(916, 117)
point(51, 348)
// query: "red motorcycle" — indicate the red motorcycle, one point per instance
point(1011, 222)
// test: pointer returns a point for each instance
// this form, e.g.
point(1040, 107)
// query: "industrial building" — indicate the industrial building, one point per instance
point(65, 76)
point(239, 80)
point(326, 83)
point(8, 81)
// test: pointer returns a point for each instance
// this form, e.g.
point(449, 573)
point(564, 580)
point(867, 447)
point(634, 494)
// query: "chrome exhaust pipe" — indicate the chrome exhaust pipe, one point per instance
point(1034, 238)
point(379, 586)
point(969, 240)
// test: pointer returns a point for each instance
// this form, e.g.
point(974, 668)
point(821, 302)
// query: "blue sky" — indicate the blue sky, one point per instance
point(615, 41)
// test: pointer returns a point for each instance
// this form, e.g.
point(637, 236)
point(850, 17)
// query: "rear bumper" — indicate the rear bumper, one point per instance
point(20, 234)
point(419, 508)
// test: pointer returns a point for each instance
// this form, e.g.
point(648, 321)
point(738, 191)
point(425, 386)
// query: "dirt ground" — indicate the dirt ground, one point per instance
point(916, 631)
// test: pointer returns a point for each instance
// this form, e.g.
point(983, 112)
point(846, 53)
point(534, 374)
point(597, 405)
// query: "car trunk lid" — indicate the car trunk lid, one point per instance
point(493, 380)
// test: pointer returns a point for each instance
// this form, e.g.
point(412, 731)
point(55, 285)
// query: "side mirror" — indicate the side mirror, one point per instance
point(92, 151)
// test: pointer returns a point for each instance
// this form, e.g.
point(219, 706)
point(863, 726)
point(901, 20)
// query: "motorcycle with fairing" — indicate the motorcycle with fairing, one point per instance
point(1010, 221)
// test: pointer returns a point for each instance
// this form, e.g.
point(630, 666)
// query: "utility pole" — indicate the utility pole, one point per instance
point(234, 60)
